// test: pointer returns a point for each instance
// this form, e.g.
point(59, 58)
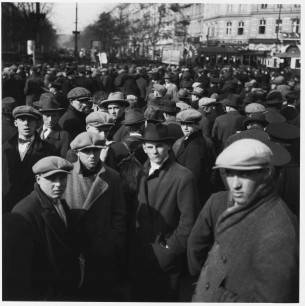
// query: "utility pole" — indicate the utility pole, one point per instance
point(76, 36)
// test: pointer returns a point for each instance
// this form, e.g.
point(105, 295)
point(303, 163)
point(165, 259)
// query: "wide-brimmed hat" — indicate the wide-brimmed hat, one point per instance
point(50, 165)
point(183, 93)
point(283, 131)
point(134, 116)
point(198, 92)
point(252, 97)
point(170, 106)
point(274, 97)
point(156, 133)
point(232, 100)
point(256, 117)
point(115, 97)
point(49, 104)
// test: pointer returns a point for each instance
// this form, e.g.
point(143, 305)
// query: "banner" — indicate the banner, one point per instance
point(30, 46)
point(96, 44)
point(103, 58)
point(171, 57)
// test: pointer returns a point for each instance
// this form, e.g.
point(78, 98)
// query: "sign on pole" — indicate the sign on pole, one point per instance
point(171, 57)
point(31, 46)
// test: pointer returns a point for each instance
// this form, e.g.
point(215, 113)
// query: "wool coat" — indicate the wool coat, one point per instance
point(142, 85)
point(8, 129)
point(54, 266)
point(73, 121)
point(167, 210)
point(59, 139)
point(17, 176)
point(254, 257)
point(101, 215)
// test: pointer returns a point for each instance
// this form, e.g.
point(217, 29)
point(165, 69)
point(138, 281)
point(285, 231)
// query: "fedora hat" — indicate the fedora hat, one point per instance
point(256, 117)
point(115, 97)
point(134, 116)
point(156, 133)
point(183, 93)
point(170, 106)
point(49, 104)
point(154, 115)
point(44, 98)
point(252, 97)
point(283, 131)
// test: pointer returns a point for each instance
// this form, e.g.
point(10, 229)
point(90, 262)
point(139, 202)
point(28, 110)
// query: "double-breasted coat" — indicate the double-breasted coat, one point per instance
point(54, 266)
point(254, 257)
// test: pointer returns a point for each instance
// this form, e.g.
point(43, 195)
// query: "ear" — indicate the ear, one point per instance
point(269, 172)
point(77, 152)
point(144, 147)
point(87, 127)
point(15, 123)
point(38, 178)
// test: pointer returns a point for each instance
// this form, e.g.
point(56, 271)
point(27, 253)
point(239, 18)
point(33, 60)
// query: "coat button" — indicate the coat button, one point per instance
point(223, 258)
point(207, 285)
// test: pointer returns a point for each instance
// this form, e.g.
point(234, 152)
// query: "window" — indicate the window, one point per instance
point(229, 28)
point(230, 8)
point(278, 27)
point(298, 63)
point(240, 30)
point(296, 26)
point(264, 6)
point(262, 26)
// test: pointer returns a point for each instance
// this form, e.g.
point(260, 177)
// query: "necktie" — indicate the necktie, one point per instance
point(24, 140)
point(61, 211)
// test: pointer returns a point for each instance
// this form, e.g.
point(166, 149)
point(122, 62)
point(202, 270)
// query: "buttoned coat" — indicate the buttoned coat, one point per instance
point(255, 254)
point(55, 271)
point(59, 139)
point(17, 176)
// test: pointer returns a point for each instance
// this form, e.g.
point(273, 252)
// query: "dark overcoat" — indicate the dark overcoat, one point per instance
point(73, 121)
point(254, 257)
point(59, 139)
point(55, 271)
point(33, 89)
point(17, 176)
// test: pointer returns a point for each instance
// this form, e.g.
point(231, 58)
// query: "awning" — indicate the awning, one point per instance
point(288, 55)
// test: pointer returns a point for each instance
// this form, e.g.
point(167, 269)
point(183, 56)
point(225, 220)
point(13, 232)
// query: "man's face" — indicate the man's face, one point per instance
point(50, 119)
point(114, 110)
point(26, 126)
point(156, 151)
point(54, 185)
point(189, 128)
point(103, 131)
point(80, 105)
point(242, 184)
point(89, 157)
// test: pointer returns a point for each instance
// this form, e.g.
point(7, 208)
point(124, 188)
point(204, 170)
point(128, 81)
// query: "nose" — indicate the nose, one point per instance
point(236, 182)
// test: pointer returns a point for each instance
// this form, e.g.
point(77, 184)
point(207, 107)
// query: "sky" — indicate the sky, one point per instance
point(63, 14)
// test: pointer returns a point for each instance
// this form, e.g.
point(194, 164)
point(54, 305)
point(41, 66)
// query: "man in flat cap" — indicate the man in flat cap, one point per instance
point(19, 154)
point(73, 120)
point(247, 235)
point(53, 266)
point(95, 195)
point(191, 151)
point(167, 210)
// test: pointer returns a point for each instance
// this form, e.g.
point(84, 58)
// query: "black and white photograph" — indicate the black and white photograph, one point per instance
point(151, 152)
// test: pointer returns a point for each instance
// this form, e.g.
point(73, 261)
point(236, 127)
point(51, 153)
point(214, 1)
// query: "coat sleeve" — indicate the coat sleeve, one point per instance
point(188, 205)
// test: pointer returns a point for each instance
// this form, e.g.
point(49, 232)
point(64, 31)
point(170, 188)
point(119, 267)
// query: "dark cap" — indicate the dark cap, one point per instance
point(134, 116)
point(274, 97)
point(51, 165)
point(79, 93)
point(8, 104)
point(256, 117)
point(169, 106)
point(25, 110)
point(283, 131)
point(87, 140)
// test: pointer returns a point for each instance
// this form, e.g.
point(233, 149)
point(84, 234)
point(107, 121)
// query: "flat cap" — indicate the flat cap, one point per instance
point(198, 92)
point(79, 93)
point(51, 165)
point(25, 110)
point(99, 119)
point(196, 84)
point(87, 140)
point(189, 115)
point(254, 108)
point(183, 105)
point(8, 104)
point(206, 102)
point(278, 80)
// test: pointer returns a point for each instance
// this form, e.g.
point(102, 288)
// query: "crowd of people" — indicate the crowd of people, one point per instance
point(119, 182)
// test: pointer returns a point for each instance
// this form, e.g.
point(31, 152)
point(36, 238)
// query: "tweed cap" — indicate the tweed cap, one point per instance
point(87, 140)
point(206, 102)
point(160, 89)
point(115, 97)
point(99, 119)
point(183, 105)
point(79, 93)
point(134, 116)
point(156, 133)
point(189, 116)
point(25, 110)
point(50, 165)
point(8, 104)
point(254, 108)
point(198, 92)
